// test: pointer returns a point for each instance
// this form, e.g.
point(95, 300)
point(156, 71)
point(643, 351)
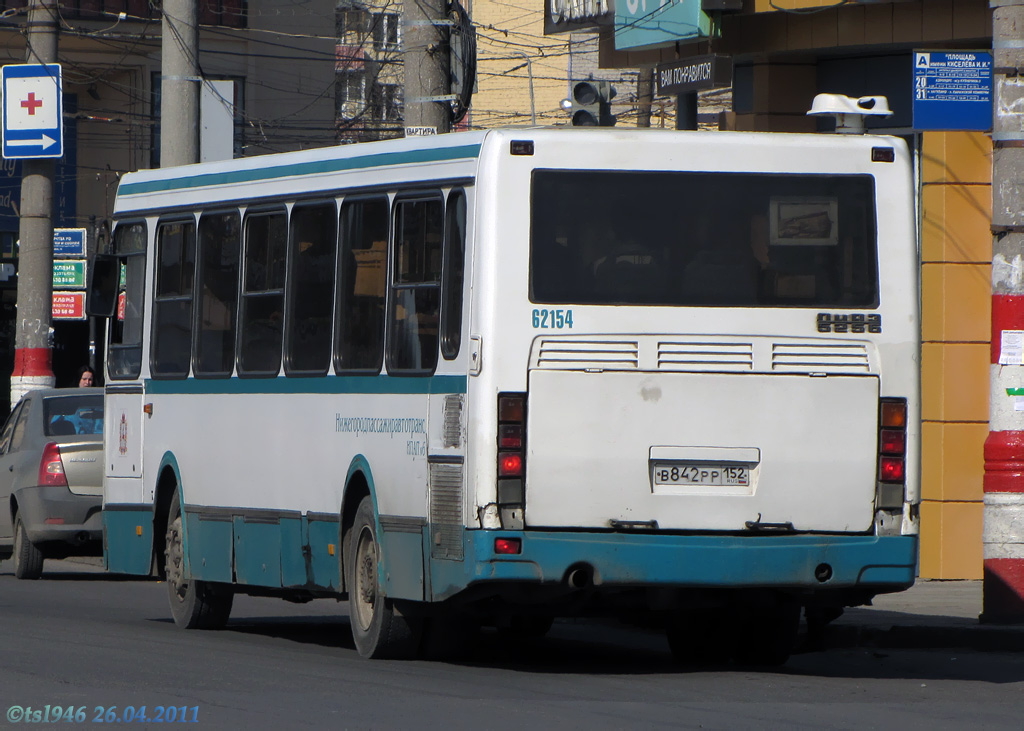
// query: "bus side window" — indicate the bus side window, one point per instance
point(362, 286)
point(172, 307)
point(124, 351)
point(313, 253)
point(416, 286)
point(217, 291)
point(453, 274)
point(262, 318)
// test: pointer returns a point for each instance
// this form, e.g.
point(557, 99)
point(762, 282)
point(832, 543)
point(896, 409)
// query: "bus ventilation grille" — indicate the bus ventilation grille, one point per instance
point(452, 435)
point(689, 356)
point(827, 358)
point(598, 354)
point(446, 511)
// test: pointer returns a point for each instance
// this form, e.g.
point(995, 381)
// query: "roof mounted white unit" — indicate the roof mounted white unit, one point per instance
point(850, 112)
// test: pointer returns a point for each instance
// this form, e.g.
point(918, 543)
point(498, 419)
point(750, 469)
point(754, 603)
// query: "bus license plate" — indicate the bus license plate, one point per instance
point(700, 474)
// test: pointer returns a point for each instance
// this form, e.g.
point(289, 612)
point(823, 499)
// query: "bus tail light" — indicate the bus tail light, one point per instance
point(508, 546)
point(51, 467)
point(511, 450)
point(892, 454)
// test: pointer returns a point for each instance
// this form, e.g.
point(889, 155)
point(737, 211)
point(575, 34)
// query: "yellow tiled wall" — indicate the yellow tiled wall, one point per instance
point(956, 253)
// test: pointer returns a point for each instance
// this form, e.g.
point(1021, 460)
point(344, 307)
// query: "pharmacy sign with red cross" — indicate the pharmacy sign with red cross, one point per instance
point(33, 111)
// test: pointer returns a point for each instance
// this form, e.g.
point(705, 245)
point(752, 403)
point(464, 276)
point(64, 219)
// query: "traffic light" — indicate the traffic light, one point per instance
point(591, 104)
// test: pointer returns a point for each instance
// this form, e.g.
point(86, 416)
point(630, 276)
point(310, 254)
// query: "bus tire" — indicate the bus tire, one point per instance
point(28, 560)
point(194, 604)
point(379, 630)
point(767, 635)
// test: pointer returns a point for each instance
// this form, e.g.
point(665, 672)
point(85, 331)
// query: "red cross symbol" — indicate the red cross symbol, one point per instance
point(31, 104)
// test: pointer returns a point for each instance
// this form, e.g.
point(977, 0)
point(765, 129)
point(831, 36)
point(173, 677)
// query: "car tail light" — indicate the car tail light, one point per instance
point(892, 453)
point(511, 449)
point(51, 468)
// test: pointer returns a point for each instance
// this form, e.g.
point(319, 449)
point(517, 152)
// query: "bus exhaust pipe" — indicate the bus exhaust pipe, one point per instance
point(579, 578)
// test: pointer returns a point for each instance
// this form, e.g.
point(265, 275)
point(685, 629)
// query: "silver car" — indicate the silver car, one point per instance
point(51, 478)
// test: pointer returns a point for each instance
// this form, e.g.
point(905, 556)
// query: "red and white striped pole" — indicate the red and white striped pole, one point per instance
point(1003, 536)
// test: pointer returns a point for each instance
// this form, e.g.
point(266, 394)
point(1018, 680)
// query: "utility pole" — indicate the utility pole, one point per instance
point(33, 355)
point(1003, 536)
point(179, 84)
point(425, 32)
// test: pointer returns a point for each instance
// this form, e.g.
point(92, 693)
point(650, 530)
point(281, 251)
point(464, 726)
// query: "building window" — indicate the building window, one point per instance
point(351, 94)
point(386, 103)
point(385, 29)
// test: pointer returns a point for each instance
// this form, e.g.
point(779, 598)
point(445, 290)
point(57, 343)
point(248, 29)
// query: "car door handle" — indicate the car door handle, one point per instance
point(11, 468)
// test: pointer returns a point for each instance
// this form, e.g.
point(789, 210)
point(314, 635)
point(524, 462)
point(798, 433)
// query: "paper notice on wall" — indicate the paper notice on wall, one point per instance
point(1011, 347)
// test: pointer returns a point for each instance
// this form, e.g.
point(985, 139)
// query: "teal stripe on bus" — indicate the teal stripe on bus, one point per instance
point(314, 167)
point(325, 385)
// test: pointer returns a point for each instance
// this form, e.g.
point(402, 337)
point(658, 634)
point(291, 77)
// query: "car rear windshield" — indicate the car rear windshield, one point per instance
point(73, 414)
point(703, 239)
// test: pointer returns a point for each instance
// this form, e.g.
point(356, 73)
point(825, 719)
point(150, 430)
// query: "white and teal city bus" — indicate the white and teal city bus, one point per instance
point(518, 374)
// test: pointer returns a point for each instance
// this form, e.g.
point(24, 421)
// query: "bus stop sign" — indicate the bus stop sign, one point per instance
point(953, 90)
point(33, 111)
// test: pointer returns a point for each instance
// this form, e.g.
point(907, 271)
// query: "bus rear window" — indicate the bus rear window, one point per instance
point(703, 239)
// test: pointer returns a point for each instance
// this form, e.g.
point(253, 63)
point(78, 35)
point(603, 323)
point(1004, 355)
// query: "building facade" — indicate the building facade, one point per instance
point(277, 59)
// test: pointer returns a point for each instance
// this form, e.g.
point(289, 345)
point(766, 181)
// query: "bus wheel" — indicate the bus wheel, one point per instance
point(379, 630)
point(28, 561)
point(194, 604)
point(700, 637)
point(767, 635)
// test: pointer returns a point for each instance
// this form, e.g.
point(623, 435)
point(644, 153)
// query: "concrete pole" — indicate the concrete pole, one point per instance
point(1003, 537)
point(427, 64)
point(179, 84)
point(33, 355)
point(644, 97)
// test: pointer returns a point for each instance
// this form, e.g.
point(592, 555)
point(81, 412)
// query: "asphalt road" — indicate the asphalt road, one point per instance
point(81, 638)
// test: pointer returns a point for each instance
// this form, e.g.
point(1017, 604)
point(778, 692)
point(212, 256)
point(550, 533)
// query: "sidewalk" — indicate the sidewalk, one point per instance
point(929, 615)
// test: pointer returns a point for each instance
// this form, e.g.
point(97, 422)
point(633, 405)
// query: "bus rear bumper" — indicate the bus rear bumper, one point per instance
point(798, 562)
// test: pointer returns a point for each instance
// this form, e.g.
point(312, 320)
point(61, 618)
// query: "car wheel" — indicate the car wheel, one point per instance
point(379, 630)
point(28, 561)
point(195, 604)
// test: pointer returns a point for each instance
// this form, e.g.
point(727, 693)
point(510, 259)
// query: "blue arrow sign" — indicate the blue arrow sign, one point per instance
point(33, 111)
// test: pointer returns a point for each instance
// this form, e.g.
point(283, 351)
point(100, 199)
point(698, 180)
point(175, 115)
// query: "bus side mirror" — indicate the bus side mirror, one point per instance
point(104, 278)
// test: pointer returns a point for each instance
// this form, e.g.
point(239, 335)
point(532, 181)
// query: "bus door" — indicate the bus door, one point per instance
point(118, 290)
